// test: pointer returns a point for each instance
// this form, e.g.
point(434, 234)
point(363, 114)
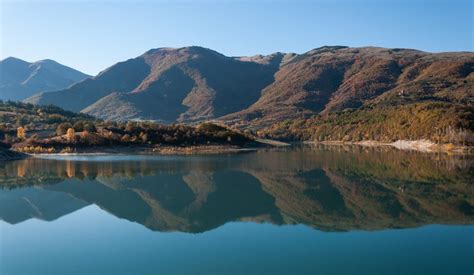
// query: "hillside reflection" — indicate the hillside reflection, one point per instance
point(328, 188)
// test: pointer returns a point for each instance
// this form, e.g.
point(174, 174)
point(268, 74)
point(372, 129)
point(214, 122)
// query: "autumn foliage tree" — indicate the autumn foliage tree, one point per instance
point(62, 128)
point(21, 133)
point(70, 134)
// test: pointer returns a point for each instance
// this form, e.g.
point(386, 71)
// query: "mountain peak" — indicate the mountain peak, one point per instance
point(191, 50)
point(47, 61)
point(21, 79)
point(13, 60)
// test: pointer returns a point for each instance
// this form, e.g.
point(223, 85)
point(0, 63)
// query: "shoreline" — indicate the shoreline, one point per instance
point(151, 149)
point(423, 145)
point(141, 150)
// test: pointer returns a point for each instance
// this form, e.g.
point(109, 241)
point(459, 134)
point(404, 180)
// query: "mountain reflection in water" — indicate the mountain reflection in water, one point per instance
point(327, 188)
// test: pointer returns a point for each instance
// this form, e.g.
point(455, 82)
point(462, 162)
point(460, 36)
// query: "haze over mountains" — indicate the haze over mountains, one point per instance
point(20, 79)
point(194, 83)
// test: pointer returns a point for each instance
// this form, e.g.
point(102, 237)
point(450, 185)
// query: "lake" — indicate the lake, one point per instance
point(298, 210)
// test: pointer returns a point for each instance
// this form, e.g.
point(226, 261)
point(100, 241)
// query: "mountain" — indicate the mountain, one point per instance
point(166, 84)
point(20, 79)
point(332, 79)
point(280, 91)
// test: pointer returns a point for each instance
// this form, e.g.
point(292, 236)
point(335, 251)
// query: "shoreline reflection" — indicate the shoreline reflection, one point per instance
point(327, 188)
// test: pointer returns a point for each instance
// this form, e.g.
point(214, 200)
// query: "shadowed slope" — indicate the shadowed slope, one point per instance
point(194, 84)
point(119, 78)
point(167, 84)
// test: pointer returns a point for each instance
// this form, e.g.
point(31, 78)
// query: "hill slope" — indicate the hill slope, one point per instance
point(185, 84)
point(29, 128)
point(278, 92)
point(332, 79)
point(20, 79)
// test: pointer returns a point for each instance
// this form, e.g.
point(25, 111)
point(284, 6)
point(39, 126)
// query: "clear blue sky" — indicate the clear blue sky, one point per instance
point(92, 35)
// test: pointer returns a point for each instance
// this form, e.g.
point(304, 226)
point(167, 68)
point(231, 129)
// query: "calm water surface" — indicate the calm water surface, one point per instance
point(302, 210)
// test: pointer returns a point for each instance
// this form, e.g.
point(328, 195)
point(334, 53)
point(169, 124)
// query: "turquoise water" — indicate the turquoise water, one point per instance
point(294, 211)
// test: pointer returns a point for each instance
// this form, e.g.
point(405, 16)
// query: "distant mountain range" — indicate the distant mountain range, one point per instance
point(20, 79)
point(193, 83)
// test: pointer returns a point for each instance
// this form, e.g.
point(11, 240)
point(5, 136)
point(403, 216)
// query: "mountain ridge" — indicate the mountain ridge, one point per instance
point(193, 84)
point(357, 76)
point(193, 74)
point(20, 79)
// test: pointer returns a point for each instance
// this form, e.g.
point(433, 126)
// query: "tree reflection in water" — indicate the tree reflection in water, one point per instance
point(328, 188)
